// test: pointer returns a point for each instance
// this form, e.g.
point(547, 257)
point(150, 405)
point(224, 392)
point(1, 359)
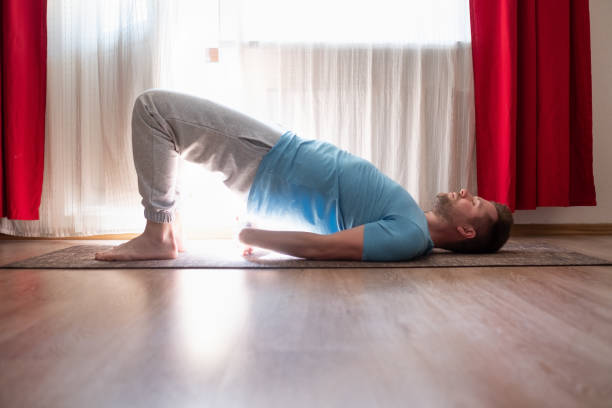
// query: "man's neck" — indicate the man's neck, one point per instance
point(437, 229)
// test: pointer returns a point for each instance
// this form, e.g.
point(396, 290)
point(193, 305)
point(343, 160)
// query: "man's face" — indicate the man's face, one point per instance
point(462, 207)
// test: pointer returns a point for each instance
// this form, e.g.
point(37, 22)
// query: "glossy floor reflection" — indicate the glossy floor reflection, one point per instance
point(435, 337)
point(211, 310)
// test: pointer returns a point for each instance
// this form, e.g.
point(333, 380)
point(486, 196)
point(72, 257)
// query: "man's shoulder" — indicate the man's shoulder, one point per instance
point(394, 240)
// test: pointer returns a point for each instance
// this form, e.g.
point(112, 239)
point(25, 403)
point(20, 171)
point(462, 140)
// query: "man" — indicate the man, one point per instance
point(343, 206)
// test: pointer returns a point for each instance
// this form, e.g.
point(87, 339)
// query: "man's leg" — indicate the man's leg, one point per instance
point(168, 127)
point(177, 223)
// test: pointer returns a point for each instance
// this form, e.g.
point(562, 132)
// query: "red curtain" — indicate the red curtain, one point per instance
point(23, 74)
point(532, 83)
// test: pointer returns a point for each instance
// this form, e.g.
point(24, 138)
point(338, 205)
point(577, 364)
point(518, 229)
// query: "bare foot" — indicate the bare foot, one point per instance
point(156, 242)
point(178, 231)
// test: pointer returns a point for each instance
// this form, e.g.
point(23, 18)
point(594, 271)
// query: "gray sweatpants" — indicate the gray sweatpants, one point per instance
point(168, 127)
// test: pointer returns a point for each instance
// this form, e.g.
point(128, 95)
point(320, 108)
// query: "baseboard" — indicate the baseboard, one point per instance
point(517, 230)
point(561, 229)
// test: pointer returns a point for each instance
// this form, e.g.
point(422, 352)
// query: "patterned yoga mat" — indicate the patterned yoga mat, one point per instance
point(225, 254)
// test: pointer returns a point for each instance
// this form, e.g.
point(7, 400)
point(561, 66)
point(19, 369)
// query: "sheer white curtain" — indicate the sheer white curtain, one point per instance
point(388, 81)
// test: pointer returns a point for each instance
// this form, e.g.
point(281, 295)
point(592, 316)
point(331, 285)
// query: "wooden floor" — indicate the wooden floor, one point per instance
point(439, 337)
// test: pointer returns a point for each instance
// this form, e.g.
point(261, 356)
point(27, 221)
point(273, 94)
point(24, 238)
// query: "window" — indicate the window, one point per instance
point(355, 21)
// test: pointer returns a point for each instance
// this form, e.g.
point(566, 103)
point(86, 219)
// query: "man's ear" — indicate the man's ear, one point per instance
point(467, 231)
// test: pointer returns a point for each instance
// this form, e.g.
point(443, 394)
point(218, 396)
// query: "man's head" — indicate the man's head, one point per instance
point(473, 224)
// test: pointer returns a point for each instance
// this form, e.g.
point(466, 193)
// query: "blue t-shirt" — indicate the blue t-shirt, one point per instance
point(323, 189)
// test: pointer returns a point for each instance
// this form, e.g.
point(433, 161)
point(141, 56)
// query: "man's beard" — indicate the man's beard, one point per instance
point(442, 207)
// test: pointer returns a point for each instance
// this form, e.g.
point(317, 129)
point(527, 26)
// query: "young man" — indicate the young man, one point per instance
point(344, 207)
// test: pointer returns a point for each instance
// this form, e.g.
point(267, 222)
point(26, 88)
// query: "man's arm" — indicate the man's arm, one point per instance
point(347, 244)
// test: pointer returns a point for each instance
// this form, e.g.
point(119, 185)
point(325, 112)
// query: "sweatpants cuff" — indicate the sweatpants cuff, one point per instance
point(159, 216)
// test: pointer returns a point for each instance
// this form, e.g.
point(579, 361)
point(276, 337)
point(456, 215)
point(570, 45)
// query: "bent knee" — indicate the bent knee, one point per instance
point(149, 95)
point(167, 102)
point(151, 100)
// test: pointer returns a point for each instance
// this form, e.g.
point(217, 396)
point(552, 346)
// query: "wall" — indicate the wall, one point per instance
point(601, 60)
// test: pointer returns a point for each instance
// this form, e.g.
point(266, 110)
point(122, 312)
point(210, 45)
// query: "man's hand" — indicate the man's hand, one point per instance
point(246, 249)
point(343, 245)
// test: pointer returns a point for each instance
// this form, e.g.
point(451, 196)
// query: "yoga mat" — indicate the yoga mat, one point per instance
point(224, 254)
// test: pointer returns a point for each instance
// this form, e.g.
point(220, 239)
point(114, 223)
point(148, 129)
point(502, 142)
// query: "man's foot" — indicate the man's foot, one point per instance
point(156, 242)
point(177, 226)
